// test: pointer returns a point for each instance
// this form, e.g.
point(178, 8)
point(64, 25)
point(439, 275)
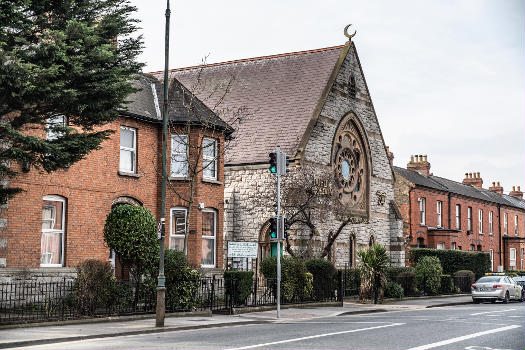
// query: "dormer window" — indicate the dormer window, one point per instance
point(352, 89)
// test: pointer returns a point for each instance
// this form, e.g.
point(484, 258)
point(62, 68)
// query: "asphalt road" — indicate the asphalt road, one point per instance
point(470, 327)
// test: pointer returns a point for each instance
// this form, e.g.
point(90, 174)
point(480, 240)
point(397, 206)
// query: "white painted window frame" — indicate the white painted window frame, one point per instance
point(214, 238)
point(439, 217)
point(511, 251)
point(209, 159)
point(469, 218)
point(422, 211)
point(173, 234)
point(133, 150)
point(480, 221)
point(53, 121)
point(62, 231)
point(491, 222)
point(505, 223)
point(180, 139)
point(458, 217)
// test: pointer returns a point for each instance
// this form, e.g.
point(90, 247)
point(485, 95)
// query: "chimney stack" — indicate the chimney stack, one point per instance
point(420, 164)
point(473, 179)
point(518, 194)
point(497, 188)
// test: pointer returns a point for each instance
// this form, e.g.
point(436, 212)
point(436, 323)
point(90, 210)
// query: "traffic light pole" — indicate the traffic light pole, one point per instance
point(279, 229)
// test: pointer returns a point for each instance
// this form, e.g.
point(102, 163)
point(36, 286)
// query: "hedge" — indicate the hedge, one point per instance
point(455, 260)
point(323, 272)
point(296, 281)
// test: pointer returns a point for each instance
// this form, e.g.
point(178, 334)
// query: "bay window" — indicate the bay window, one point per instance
point(209, 158)
point(209, 234)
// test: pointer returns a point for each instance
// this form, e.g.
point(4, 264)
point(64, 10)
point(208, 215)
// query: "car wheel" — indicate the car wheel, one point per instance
point(507, 297)
point(522, 296)
point(476, 301)
point(493, 301)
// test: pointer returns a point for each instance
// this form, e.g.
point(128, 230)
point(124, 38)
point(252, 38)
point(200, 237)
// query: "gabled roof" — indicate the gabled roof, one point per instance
point(442, 184)
point(147, 102)
point(278, 93)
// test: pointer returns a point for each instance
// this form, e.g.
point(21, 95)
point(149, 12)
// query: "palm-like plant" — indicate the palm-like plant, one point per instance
point(373, 263)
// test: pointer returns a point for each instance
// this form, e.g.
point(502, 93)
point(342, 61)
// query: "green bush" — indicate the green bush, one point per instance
point(393, 271)
point(428, 274)
point(296, 281)
point(394, 290)
point(407, 280)
point(91, 287)
point(323, 272)
point(243, 282)
point(515, 272)
point(373, 263)
point(120, 297)
point(131, 231)
point(182, 282)
point(447, 284)
point(454, 260)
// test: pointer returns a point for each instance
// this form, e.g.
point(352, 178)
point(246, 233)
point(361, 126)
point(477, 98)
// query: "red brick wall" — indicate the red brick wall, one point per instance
point(90, 186)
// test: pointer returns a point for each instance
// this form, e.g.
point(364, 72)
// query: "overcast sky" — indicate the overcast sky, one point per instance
point(447, 78)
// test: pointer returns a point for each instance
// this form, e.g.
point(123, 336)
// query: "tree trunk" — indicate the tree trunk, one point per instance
point(376, 287)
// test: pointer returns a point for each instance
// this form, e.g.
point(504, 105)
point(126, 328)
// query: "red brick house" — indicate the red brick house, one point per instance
point(58, 220)
point(444, 214)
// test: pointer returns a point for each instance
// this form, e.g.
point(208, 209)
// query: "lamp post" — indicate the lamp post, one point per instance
point(161, 280)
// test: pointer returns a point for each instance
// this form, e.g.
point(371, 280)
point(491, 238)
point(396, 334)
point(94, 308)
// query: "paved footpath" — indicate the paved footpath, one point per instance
point(59, 332)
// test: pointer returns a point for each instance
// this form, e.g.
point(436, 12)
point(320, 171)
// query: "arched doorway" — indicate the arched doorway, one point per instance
point(420, 242)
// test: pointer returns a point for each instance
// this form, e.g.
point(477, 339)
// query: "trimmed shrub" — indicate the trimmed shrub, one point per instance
point(182, 282)
point(463, 279)
point(407, 280)
point(296, 281)
point(454, 260)
point(428, 274)
point(516, 272)
point(92, 285)
point(394, 290)
point(393, 271)
point(323, 272)
point(243, 283)
point(447, 284)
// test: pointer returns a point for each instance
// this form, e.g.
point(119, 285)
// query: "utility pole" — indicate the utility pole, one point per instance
point(161, 280)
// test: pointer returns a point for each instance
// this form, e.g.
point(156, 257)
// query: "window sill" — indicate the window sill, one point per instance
point(51, 265)
point(178, 178)
point(125, 173)
point(212, 181)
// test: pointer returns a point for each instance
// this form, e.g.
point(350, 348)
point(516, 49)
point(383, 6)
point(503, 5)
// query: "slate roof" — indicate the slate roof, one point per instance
point(147, 104)
point(442, 184)
point(278, 94)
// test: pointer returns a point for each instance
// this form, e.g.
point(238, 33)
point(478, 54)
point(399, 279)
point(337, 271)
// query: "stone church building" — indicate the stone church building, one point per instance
point(317, 107)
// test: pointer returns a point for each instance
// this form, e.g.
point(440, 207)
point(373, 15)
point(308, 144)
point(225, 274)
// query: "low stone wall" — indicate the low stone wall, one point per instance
point(39, 274)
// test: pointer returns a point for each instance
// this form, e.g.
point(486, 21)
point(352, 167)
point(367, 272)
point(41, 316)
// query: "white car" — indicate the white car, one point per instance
point(496, 287)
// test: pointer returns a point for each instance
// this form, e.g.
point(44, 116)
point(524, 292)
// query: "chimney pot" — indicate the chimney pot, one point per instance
point(498, 184)
point(493, 184)
point(519, 189)
point(478, 175)
point(513, 188)
point(412, 159)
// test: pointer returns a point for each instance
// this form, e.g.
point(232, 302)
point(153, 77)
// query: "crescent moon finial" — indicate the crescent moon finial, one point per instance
point(349, 36)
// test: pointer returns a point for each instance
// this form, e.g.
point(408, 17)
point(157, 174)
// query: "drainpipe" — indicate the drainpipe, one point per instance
point(500, 238)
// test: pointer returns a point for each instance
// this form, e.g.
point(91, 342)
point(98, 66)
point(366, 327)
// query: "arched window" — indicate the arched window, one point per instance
point(53, 231)
point(209, 237)
point(420, 242)
point(350, 162)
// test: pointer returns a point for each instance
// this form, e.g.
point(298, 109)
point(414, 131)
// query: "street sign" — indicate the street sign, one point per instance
point(242, 249)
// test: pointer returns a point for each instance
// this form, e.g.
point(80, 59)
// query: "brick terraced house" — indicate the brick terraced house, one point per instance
point(444, 214)
point(58, 220)
point(317, 107)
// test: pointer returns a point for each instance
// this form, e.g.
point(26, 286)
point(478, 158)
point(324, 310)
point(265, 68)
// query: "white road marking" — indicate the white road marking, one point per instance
point(465, 337)
point(491, 312)
point(331, 322)
point(314, 336)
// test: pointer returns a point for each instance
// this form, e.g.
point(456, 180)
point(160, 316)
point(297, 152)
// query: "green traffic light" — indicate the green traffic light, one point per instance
point(273, 234)
point(273, 169)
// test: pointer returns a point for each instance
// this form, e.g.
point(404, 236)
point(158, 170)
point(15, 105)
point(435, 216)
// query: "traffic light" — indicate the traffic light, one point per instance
point(286, 163)
point(273, 162)
point(273, 227)
point(286, 227)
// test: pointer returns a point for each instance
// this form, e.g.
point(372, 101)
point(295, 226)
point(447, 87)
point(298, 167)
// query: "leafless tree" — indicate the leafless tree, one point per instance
point(307, 201)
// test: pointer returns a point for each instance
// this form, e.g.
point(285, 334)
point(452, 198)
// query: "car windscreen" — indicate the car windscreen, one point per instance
point(489, 279)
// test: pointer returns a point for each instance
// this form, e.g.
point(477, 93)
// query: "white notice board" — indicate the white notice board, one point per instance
point(242, 249)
